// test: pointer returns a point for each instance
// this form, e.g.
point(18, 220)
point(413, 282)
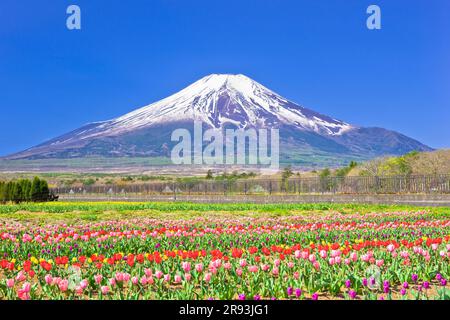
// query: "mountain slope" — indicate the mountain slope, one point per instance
point(219, 101)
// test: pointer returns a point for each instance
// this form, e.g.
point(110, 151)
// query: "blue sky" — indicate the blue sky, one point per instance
point(131, 53)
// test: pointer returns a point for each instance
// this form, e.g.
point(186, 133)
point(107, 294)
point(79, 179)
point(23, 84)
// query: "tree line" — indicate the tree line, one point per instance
point(25, 190)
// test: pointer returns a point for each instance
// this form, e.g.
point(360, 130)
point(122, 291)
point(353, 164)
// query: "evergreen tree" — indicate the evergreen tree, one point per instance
point(26, 188)
point(2, 192)
point(17, 192)
point(44, 190)
point(35, 189)
point(9, 191)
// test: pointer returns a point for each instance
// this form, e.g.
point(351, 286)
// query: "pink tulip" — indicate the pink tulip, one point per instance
point(104, 290)
point(63, 285)
point(199, 267)
point(79, 290)
point(167, 277)
point(275, 271)
point(331, 261)
point(98, 278)
point(253, 269)
point(148, 272)
point(10, 283)
point(335, 253)
point(48, 279)
point(20, 276)
point(24, 292)
point(158, 274)
point(207, 277)
point(186, 266)
point(213, 270)
point(239, 272)
point(217, 263)
point(84, 284)
point(135, 280)
point(242, 263)
point(312, 258)
point(316, 265)
point(56, 280)
point(298, 254)
point(177, 278)
point(187, 277)
point(119, 277)
point(26, 287)
point(112, 282)
point(323, 254)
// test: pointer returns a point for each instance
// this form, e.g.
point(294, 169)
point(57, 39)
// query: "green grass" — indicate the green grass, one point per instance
point(70, 212)
point(62, 207)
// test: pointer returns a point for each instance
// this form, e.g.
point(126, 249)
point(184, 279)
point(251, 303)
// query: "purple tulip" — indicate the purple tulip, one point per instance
point(290, 291)
point(414, 277)
point(298, 293)
point(348, 283)
point(352, 294)
point(364, 282)
point(315, 296)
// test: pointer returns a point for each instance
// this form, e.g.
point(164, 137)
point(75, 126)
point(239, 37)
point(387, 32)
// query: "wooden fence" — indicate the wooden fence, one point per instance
point(439, 184)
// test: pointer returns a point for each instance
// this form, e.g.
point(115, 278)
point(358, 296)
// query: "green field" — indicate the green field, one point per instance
point(94, 211)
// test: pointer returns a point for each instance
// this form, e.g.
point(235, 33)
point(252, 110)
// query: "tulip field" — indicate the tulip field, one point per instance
point(151, 251)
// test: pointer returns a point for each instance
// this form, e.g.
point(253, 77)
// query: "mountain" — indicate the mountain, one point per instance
point(222, 100)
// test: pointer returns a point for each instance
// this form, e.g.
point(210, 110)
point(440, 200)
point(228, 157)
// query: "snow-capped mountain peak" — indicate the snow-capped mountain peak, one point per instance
point(218, 99)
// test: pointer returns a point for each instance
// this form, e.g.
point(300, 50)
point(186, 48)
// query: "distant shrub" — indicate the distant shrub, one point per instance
point(88, 182)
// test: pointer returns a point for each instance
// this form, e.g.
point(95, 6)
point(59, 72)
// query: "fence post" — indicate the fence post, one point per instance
point(174, 191)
